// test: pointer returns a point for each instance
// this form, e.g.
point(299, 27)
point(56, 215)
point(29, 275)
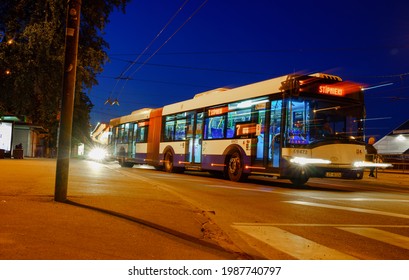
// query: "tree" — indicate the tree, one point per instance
point(34, 61)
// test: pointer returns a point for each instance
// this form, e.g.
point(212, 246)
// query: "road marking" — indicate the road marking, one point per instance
point(381, 235)
point(353, 209)
point(318, 225)
point(363, 199)
point(293, 245)
point(259, 189)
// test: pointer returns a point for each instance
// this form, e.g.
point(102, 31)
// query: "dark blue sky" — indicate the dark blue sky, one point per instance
point(236, 42)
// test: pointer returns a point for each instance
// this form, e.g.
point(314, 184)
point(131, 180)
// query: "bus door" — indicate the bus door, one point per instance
point(268, 133)
point(129, 140)
point(194, 123)
point(262, 136)
point(274, 150)
point(132, 139)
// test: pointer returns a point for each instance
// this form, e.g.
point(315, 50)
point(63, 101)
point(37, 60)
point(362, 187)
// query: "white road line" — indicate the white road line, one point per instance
point(353, 209)
point(381, 235)
point(293, 245)
point(362, 199)
point(318, 225)
point(265, 190)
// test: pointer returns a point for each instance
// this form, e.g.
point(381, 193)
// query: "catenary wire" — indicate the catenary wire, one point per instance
point(170, 37)
point(149, 45)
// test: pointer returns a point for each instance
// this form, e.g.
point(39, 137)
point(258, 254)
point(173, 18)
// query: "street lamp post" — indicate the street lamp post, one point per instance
point(67, 104)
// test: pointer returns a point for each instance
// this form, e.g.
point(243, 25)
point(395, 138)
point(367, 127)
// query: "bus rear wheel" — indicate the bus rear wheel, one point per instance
point(234, 168)
point(123, 163)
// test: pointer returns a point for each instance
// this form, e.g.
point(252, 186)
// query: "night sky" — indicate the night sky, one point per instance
point(216, 43)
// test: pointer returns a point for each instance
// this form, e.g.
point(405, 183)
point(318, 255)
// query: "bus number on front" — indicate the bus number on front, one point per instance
point(300, 152)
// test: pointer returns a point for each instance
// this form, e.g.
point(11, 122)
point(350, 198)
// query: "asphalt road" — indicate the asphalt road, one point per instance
point(270, 219)
point(138, 213)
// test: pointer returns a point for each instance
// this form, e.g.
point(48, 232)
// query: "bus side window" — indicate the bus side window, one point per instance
point(169, 131)
point(180, 130)
point(235, 117)
point(142, 133)
point(214, 127)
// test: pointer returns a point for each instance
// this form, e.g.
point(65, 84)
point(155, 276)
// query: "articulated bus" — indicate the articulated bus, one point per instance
point(294, 127)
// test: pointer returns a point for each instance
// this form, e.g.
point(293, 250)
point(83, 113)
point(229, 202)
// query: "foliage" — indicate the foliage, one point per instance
point(34, 61)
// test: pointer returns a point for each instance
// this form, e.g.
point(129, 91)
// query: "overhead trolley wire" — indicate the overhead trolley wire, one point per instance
point(288, 50)
point(157, 50)
point(125, 79)
point(121, 76)
point(170, 37)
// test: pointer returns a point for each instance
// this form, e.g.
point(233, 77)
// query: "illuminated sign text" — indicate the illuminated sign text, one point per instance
point(324, 89)
point(217, 111)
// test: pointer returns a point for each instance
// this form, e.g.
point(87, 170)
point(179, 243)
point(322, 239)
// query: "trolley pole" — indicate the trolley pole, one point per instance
point(67, 100)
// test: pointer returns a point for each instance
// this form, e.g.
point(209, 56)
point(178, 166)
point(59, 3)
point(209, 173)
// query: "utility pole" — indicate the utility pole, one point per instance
point(67, 101)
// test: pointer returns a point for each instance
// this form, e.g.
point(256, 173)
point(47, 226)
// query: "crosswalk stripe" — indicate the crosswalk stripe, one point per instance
point(293, 245)
point(353, 209)
point(380, 235)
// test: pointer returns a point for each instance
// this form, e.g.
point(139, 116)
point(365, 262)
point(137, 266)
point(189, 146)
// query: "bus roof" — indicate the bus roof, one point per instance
point(137, 115)
point(225, 95)
point(220, 96)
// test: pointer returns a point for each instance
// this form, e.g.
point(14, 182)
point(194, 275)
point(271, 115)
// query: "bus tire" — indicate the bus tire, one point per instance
point(168, 163)
point(234, 167)
point(300, 180)
point(123, 163)
point(359, 175)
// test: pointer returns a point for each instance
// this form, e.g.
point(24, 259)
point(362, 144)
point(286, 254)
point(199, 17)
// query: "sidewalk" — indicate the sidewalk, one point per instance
point(388, 177)
point(99, 222)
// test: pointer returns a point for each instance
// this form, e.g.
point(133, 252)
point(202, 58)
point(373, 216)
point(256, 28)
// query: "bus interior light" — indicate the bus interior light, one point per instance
point(249, 103)
point(326, 109)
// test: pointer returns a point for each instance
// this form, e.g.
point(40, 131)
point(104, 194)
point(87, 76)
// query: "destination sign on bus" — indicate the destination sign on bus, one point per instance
point(331, 90)
point(339, 89)
point(217, 111)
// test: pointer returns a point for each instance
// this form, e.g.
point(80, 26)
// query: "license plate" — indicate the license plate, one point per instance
point(333, 174)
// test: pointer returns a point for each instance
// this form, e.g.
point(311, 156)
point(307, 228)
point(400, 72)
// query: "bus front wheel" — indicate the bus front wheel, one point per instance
point(300, 180)
point(234, 168)
point(169, 166)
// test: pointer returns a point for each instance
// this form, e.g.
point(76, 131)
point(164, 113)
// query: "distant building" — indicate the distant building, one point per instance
point(396, 142)
point(100, 133)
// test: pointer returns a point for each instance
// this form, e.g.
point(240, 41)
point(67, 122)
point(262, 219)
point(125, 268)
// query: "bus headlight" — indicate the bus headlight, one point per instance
point(97, 153)
point(371, 164)
point(305, 161)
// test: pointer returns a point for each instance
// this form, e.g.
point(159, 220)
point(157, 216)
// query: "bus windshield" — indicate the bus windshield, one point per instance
point(311, 121)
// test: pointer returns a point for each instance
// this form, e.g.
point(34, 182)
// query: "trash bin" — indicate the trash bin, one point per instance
point(18, 153)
